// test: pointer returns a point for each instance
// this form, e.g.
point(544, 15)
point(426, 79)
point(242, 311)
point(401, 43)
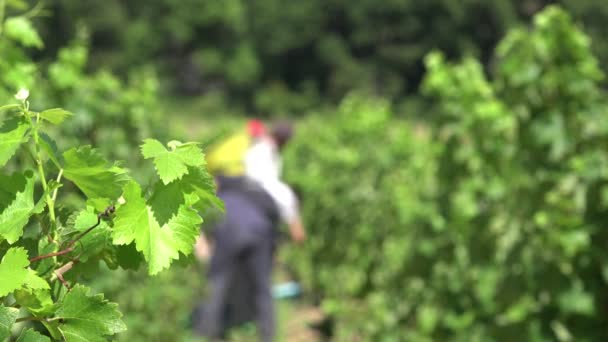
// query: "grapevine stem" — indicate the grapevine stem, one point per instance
point(50, 255)
point(49, 200)
point(54, 197)
point(40, 319)
point(30, 318)
point(109, 210)
point(58, 274)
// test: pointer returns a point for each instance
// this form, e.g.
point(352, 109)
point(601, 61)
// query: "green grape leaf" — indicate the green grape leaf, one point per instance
point(13, 133)
point(16, 214)
point(34, 282)
point(13, 271)
point(167, 198)
point(9, 187)
point(125, 256)
point(86, 168)
point(201, 183)
point(29, 335)
point(9, 107)
point(172, 165)
point(41, 204)
point(99, 204)
point(8, 316)
point(128, 258)
point(135, 221)
point(86, 318)
point(22, 30)
point(96, 240)
point(185, 228)
point(50, 147)
point(45, 247)
point(55, 115)
point(36, 301)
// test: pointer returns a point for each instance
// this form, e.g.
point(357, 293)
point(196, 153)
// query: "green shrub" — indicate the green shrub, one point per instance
point(364, 178)
point(493, 230)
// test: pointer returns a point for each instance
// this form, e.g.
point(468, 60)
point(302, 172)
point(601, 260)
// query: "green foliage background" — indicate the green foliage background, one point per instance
point(488, 229)
point(450, 154)
point(277, 57)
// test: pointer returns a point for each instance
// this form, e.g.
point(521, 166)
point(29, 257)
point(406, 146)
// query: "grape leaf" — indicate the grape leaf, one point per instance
point(167, 198)
point(9, 187)
point(86, 318)
point(50, 147)
point(15, 274)
point(22, 30)
point(9, 107)
point(124, 256)
point(45, 247)
point(34, 282)
point(127, 257)
point(185, 228)
point(135, 221)
point(172, 165)
point(96, 240)
point(8, 316)
point(99, 204)
point(36, 301)
point(13, 270)
point(29, 335)
point(13, 133)
point(86, 168)
point(201, 183)
point(55, 115)
point(16, 214)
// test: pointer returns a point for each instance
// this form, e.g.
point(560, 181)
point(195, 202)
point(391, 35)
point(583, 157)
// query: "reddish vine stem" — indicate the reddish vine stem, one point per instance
point(50, 255)
point(109, 210)
point(62, 270)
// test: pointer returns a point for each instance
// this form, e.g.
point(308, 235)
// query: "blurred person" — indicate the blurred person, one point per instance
point(263, 164)
point(256, 202)
point(226, 157)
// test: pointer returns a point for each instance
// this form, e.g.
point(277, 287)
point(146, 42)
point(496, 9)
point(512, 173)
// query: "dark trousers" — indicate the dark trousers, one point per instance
point(251, 263)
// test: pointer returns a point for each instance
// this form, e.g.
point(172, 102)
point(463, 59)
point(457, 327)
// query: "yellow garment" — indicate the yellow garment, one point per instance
point(227, 157)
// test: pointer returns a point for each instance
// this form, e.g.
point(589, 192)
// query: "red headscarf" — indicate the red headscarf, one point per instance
point(256, 128)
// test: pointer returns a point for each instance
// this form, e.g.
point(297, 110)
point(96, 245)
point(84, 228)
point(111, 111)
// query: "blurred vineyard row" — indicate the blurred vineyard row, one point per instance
point(485, 222)
point(273, 57)
point(480, 218)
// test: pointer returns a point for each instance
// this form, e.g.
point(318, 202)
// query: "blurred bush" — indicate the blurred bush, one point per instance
point(113, 114)
point(365, 179)
point(485, 226)
point(522, 176)
point(264, 52)
point(277, 50)
point(157, 308)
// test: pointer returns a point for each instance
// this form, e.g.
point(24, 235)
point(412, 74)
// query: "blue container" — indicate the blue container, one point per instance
point(286, 290)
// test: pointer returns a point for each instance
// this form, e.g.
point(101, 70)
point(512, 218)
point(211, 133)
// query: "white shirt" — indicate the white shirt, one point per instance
point(262, 161)
point(263, 165)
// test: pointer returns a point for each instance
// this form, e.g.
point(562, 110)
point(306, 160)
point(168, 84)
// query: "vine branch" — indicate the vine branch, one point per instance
point(50, 255)
point(62, 270)
point(54, 197)
point(40, 319)
point(69, 247)
point(30, 318)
